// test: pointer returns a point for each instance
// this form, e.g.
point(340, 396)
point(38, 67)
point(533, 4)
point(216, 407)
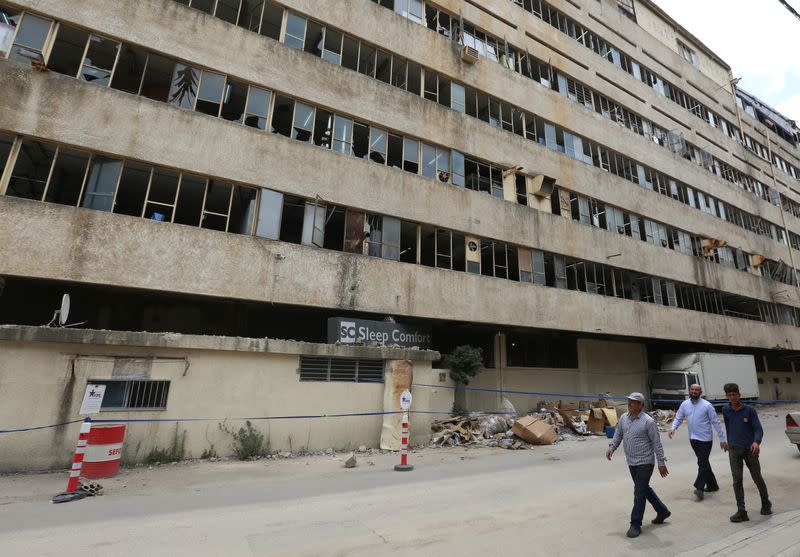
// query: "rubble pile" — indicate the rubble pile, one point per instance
point(547, 424)
point(663, 418)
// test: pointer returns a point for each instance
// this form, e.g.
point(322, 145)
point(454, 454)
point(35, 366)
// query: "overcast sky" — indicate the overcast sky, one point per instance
point(757, 38)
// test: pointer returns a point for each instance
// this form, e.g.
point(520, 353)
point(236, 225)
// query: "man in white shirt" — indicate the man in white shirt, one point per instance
point(700, 415)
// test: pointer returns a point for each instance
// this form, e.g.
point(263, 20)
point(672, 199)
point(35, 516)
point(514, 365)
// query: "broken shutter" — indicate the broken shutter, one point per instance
point(314, 225)
point(354, 232)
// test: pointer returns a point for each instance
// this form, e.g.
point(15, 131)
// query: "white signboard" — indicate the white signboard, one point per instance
point(405, 400)
point(92, 399)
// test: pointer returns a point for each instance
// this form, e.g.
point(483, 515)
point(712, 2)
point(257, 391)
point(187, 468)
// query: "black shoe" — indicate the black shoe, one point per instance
point(740, 516)
point(659, 519)
point(766, 509)
point(634, 531)
point(711, 489)
point(699, 494)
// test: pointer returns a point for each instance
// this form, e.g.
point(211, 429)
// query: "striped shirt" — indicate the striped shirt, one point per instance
point(641, 438)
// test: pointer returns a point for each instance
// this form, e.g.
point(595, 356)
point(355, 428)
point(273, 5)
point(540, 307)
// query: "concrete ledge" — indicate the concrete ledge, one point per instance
point(23, 333)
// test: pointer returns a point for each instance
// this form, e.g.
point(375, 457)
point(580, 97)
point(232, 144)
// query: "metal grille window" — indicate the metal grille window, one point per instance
point(354, 370)
point(134, 395)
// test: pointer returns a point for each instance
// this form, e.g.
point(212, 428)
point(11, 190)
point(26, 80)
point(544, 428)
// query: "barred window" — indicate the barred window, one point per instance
point(354, 370)
point(133, 395)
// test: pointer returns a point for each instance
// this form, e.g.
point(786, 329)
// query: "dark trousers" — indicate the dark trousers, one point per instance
point(705, 476)
point(739, 456)
point(642, 493)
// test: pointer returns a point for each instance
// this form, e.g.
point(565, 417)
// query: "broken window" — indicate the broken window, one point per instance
point(29, 42)
point(431, 91)
point(101, 183)
point(129, 70)
point(314, 224)
point(383, 67)
point(234, 99)
point(366, 60)
point(315, 39)
point(257, 107)
point(250, 14)
point(414, 82)
point(303, 127)
point(350, 53)
point(525, 265)
point(227, 10)
point(323, 128)
point(242, 211)
point(377, 145)
point(391, 246)
point(157, 80)
point(67, 52)
point(399, 75)
point(32, 169)
point(217, 205)
point(271, 20)
point(67, 176)
point(395, 151)
point(411, 155)
point(539, 271)
point(160, 196)
point(408, 242)
point(361, 141)
point(101, 56)
point(355, 231)
point(209, 95)
point(457, 97)
point(444, 249)
point(183, 91)
point(189, 207)
point(270, 209)
point(132, 189)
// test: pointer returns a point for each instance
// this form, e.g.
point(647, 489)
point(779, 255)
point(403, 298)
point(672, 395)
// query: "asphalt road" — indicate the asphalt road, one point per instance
point(564, 499)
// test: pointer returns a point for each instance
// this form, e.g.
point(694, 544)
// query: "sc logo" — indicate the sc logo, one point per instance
point(347, 332)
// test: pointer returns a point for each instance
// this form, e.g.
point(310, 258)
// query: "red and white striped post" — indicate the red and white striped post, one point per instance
point(405, 404)
point(72, 493)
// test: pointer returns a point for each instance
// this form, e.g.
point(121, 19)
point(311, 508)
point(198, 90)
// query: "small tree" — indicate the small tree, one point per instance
point(464, 363)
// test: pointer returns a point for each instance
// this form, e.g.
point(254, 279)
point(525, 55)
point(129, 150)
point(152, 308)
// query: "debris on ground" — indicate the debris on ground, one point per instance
point(90, 488)
point(663, 418)
point(548, 423)
point(351, 461)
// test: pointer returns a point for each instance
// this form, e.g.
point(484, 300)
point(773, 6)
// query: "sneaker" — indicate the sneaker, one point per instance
point(699, 494)
point(634, 531)
point(740, 516)
point(659, 519)
point(766, 509)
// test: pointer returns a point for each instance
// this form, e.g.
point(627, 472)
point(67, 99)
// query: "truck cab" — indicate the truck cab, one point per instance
point(669, 388)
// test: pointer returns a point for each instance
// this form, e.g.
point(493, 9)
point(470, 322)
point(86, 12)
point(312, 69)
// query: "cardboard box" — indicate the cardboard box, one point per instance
point(597, 420)
point(534, 431)
point(611, 416)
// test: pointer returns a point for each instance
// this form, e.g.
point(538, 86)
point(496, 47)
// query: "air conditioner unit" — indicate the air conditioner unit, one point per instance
point(541, 185)
point(469, 54)
point(664, 243)
point(621, 229)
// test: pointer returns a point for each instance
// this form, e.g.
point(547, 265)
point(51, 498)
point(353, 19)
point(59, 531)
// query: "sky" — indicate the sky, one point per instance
point(757, 38)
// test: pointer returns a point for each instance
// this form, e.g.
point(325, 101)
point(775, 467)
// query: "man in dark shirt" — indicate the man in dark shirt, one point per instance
point(744, 441)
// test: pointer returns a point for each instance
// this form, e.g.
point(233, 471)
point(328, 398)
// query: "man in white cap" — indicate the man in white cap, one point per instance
point(640, 434)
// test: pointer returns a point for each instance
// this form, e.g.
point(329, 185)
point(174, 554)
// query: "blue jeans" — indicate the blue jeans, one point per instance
point(642, 492)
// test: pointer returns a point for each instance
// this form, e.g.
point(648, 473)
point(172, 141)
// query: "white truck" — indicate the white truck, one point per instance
point(670, 385)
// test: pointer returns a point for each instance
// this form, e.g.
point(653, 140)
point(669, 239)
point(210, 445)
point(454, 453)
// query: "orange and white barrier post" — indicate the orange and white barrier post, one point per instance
point(72, 493)
point(405, 404)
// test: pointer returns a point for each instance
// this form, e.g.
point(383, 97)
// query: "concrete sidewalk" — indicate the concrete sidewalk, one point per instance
point(778, 537)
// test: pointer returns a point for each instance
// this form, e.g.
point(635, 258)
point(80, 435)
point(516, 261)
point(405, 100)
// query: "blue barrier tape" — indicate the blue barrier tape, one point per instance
point(356, 414)
point(40, 427)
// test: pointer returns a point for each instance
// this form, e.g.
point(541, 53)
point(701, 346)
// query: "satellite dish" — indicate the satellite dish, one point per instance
point(63, 313)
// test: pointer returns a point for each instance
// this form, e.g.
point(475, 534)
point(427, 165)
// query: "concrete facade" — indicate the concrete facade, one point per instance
point(219, 379)
point(64, 247)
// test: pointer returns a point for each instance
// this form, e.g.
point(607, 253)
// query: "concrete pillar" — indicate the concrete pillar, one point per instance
point(398, 376)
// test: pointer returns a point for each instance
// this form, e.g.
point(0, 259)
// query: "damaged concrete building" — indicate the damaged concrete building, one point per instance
point(577, 187)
